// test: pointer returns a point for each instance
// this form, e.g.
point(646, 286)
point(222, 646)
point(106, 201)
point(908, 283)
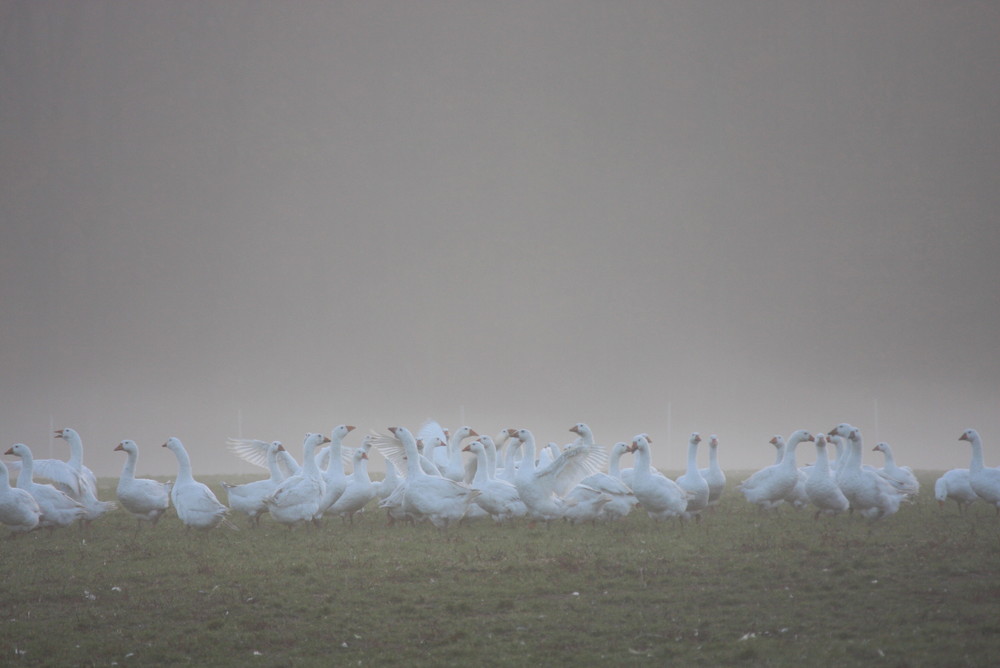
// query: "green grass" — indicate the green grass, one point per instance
point(918, 589)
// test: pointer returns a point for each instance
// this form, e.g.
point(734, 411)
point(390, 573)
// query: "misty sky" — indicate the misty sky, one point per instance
point(275, 217)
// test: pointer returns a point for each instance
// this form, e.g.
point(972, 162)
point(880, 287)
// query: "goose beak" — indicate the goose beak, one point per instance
point(350, 428)
point(281, 448)
point(963, 437)
point(392, 430)
point(10, 451)
point(326, 439)
point(59, 433)
point(118, 447)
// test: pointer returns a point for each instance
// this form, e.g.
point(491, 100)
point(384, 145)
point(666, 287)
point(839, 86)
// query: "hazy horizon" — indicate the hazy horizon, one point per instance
point(724, 217)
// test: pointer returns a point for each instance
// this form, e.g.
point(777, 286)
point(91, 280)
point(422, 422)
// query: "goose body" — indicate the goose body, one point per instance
point(196, 504)
point(537, 486)
point(714, 475)
point(248, 498)
point(821, 488)
point(58, 509)
point(661, 497)
point(334, 478)
point(985, 481)
point(298, 498)
point(692, 482)
point(360, 489)
point(145, 499)
point(769, 487)
point(87, 481)
point(422, 496)
point(900, 477)
point(954, 484)
point(18, 509)
point(869, 494)
point(498, 498)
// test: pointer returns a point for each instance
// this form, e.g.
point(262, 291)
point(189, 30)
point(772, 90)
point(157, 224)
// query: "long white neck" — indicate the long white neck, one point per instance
point(641, 467)
point(788, 461)
point(713, 455)
point(482, 468)
point(974, 467)
point(128, 471)
point(361, 471)
point(336, 463)
point(614, 464)
point(822, 461)
point(4, 479)
point(692, 457)
point(890, 463)
point(272, 465)
point(527, 467)
point(75, 460)
point(413, 467)
point(183, 465)
point(309, 466)
point(27, 469)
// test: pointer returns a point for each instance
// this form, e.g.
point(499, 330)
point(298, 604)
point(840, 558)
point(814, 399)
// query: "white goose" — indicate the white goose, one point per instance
point(660, 496)
point(870, 494)
point(146, 499)
point(57, 508)
point(985, 481)
point(440, 500)
point(196, 504)
point(536, 486)
point(627, 473)
point(18, 509)
point(248, 498)
point(298, 498)
point(769, 487)
point(714, 474)
point(334, 478)
point(821, 488)
point(497, 497)
point(692, 482)
point(954, 484)
point(360, 489)
point(88, 482)
point(900, 477)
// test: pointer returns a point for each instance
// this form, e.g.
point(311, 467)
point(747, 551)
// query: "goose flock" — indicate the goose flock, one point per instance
point(446, 478)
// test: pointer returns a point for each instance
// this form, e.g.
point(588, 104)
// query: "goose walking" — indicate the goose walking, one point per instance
point(18, 509)
point(985, 481)
point(196, 504)
point(58, 509)
point(146, 499)
point(248, 498)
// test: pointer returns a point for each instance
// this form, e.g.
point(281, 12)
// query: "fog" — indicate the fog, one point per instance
point(264, 219)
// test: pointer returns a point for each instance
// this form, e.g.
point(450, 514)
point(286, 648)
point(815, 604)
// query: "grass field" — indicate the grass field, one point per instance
point(921, 588)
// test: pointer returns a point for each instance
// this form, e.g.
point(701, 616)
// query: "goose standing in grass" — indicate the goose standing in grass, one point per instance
point(196, 504)
point(660, 497)
point(334, 477)
point(954, 484)
point(299, 498)
point(769, 487)
point(72, 477)
point(146, 499)
point(693, 483)
point(985, 481)
point(900, 477)
point(537, 485)
point(57, 508)
point(441, 501)
point(714, 475)
point(18, 509)
point(360, 488)
point(248, 498)
point(870, 494)
point(497, 497)
point(821, 488)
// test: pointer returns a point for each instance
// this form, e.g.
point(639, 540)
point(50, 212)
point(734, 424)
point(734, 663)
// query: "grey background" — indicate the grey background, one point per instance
point(269, 218)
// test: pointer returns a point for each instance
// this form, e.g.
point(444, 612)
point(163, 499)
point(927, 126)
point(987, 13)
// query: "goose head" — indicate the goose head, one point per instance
point(969, 435)
point(126, 446)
